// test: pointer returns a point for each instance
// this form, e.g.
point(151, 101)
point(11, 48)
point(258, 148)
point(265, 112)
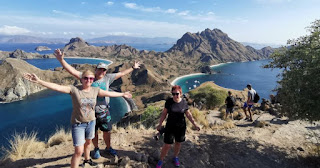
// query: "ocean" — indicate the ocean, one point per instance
point(45, 111)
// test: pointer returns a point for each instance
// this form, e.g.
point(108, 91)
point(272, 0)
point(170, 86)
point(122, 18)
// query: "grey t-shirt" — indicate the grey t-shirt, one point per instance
point(251, 94)
point(104, 84)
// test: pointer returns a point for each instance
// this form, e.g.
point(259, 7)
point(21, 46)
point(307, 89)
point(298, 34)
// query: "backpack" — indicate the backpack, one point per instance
point(256, 98)
point(232, 103)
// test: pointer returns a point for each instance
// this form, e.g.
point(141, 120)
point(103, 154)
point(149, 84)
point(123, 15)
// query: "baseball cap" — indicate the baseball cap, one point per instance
point(102, 65)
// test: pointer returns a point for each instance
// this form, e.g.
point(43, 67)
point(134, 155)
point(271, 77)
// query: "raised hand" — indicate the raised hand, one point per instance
point(31, 77)
point(136, 65)
point(59, 54)
point(127, 95)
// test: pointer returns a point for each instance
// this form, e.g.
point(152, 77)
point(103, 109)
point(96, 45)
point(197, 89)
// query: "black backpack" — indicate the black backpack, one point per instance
point(256, 98)
point(232, 101)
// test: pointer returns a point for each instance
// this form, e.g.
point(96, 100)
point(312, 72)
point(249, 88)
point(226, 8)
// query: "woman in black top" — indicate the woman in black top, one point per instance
point(175, 129)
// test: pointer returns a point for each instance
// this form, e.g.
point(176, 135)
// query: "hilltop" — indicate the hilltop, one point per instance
point(278, 142)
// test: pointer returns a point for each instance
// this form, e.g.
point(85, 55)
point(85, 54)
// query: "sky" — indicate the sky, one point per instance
point(256, 21)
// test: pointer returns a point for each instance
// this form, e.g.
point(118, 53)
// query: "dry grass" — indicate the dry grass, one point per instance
point(199, 116)
point(23, 146)
point(59, 137)
point(226, 125)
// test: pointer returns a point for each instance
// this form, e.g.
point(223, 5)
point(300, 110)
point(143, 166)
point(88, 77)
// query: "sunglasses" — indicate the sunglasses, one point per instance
point(88, 78)
point(102, 69)
point(175, 94)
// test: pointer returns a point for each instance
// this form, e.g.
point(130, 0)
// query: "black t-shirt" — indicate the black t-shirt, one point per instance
point(230, 101)
point(176, 112)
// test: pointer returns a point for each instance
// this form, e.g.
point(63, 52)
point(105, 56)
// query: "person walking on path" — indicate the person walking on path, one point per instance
point(175, 128)
point(249, 103)
point(103, 81)
point(83, 119)
point(230, 103)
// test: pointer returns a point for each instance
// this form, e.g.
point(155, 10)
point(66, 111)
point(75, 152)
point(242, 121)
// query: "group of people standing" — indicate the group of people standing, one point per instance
point(231, 102)
point(90, 112)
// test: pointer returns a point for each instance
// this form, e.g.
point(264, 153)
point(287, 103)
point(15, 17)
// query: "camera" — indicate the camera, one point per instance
point(160, 133)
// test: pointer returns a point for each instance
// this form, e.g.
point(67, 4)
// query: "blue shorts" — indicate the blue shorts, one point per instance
point(245, 105)
point(83, 131)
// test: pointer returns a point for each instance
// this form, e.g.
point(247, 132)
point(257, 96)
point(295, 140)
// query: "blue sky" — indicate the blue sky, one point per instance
point(258, 21)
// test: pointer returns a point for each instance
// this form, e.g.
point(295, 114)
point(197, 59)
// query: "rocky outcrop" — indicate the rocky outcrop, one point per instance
point(42, 48)
point(20, 54)
point(15, 87)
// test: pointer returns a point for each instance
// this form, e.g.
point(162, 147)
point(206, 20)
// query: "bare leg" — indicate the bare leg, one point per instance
point(96, 139)
point(87, 149)
point(249, 109)
point(107, 138)
point(245, 112)
point(164, 151)
point(75, 160)
point(177, 147)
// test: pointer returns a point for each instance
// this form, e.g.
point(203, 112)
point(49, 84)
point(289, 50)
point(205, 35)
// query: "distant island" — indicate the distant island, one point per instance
point(42, 48)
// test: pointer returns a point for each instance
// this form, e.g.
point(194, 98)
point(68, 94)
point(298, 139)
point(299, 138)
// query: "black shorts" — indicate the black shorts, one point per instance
point(174, 133)
point(104, 126)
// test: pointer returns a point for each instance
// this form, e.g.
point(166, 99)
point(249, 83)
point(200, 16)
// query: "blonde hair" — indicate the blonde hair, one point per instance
point(87, 72)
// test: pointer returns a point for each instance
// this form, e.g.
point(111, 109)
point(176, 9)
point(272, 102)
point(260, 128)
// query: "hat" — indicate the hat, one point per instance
point(248, 85)
point(102, 65)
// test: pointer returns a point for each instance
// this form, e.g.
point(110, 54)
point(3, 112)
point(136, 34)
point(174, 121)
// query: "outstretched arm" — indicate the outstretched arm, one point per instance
point(105, 93)
point(60, 57)
point(163, 116)
point(190, 117)
point(127, 71)
point(34, 78)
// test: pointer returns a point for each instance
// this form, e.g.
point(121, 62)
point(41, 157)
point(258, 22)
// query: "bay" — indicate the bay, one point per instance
point(237, 76)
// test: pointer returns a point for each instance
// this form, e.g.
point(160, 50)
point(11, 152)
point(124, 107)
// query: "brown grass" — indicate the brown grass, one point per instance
point(199, 116)
point(59, 137)
point(23, 146)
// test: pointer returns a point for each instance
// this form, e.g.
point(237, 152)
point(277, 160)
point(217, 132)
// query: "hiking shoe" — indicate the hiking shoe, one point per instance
point(90, 162)
point(111, 151)
point(96, 153)
point(159, 164)
point(176, 161)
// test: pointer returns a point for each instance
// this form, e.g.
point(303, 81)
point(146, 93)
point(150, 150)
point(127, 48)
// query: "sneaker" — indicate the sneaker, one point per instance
point(111, 151)
point(176, 161)
point(159, 164)
point(90, 162)
point(96, 153)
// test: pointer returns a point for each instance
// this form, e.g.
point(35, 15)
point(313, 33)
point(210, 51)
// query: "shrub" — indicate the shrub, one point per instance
point(22, 146)
point(299, 87)
point(150, 115)
point(208, 96)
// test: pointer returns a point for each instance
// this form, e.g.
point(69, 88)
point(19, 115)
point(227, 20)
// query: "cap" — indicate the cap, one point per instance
point(102, 65)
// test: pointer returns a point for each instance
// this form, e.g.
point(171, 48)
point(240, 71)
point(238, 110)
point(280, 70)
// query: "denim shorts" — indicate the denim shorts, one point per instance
point(245, 105)
point(83, 131)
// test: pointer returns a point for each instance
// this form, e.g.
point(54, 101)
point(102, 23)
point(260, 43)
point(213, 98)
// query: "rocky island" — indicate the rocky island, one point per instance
point(42, 48)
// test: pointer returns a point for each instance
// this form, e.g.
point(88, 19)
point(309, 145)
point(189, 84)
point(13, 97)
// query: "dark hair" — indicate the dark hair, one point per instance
point(229, 92)
point(176, 87)
point(248, 85)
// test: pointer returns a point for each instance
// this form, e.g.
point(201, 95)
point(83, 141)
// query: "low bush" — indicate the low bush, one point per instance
point(59, 136)
point(150, 116)
point(208, 96)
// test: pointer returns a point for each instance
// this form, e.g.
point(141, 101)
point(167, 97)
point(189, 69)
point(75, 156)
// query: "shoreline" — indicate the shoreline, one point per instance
point(194, 74)
point(111, 62)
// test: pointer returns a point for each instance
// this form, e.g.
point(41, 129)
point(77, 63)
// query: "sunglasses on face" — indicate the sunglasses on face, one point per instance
point(88, 78)
point(175, 94)
point(102, 69)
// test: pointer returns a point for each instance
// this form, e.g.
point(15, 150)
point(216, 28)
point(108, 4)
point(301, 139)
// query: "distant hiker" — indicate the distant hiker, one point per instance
point(83, 118)
point(230, 103)
point(249, 103)
point(175, 128)
point(103, 81)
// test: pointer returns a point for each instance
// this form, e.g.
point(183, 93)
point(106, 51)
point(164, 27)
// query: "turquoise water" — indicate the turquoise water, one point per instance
point(43, 112)
point(237, 76)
